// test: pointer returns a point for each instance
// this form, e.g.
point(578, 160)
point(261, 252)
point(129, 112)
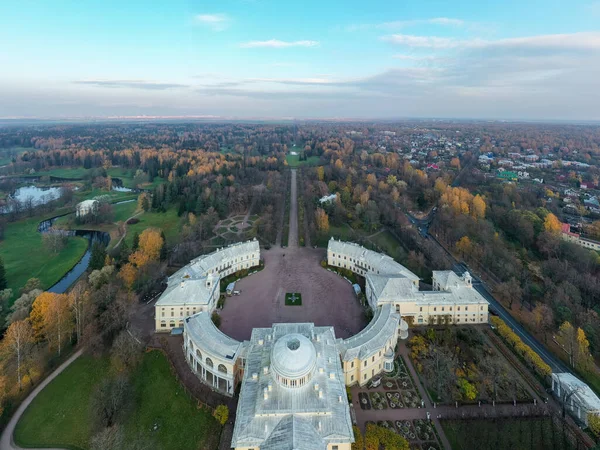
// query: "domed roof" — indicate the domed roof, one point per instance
point(293, 356)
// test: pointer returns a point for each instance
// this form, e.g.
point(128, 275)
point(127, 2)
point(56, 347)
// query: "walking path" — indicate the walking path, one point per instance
point(293, 233)
point(125, 227)
point(6, 441)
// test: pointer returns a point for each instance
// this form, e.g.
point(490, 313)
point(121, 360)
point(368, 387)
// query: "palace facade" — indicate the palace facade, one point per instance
point(196, 287)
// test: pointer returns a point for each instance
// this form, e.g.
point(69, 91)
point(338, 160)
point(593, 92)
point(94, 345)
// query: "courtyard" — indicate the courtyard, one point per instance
point(326, 298)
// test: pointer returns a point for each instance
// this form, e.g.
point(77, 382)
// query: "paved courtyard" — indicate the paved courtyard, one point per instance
point(327, 299)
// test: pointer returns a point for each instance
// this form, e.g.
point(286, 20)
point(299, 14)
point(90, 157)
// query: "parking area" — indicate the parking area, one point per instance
point(327, 299)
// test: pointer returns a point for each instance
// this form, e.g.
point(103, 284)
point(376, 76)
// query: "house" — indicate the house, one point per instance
point(327, 198)
point(86, 207)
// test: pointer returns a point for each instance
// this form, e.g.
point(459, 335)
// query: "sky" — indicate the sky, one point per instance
point(361, 59)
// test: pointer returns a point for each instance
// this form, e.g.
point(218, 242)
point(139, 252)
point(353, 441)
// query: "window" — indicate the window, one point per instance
point(335, 447)
point(352, 364)
point(365, 376)
point(365, 363)
point(435, 308)
point(442, 308)
point(466, 308)
point(421, 309)
point(351, 377)
point(373, 359)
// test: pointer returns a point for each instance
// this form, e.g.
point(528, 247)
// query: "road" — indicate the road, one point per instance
point(6, 441)
point(496, 307)
point(293, 233)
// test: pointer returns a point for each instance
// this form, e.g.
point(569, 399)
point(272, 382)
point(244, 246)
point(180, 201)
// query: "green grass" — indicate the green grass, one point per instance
point(504, 434)
point(64, 172)
point(60, 415)
point(288, 299)
point(25, 256)
point(388, 243)
point(294, 161)
point(167, 221)
point(161, 400)
point(124, 211)
point(6, 154)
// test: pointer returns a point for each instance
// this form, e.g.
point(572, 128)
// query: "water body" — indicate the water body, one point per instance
point(79, 269)
point(38, 196)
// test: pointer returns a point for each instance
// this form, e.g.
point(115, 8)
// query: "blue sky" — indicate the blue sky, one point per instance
point(309, 59)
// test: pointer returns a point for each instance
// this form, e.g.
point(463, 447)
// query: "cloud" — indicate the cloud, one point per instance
point(135, 84)
point(275, 43)
point(217, 22)
point(550, 42)
point(398, 24)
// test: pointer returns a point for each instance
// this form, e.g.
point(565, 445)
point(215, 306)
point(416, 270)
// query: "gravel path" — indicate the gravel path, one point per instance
point(6, 442)
point(293, 236)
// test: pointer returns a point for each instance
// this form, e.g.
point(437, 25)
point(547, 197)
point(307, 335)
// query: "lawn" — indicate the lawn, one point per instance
point(25, 257)
point(7, 154)
point(161, 400)
point(390, 246)
point(293, 299)
point(504, 434)
point(294, 161)
point(60, 415)
point(64, 172)
point(167, 221)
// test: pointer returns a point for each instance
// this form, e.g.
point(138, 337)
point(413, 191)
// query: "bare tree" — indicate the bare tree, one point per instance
point(110, 399)
point(126, 351)
point(111, 438)
point(19, 340)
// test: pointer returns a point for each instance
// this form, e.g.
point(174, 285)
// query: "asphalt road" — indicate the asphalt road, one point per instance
point(496, 307)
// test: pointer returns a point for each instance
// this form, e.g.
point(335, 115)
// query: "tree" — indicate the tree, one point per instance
point(464, 246)
point(221, 413)
point(576, 344)
point(19, 339)
point(111, 438)
point(216, 318)
point(509, 292)
point(3, 282)
point(109, 400)
point(98, 256)
point(22, 306)
point(128, 274)
point(54, 240)
point(594, 423)
point(478, 207)
point(552, 224)
point(79, 301)
point(320, 173)
point(51, 318)
point(126, 351)
point(31, 284)
point(151, 243)
point(163, 248)
point(322, 221)
point(136, 241)
point(543, 318)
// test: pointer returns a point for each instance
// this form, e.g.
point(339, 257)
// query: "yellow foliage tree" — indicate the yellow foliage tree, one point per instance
point(552, 224)
point(594, 423)
point(320, 173)
point(51, 318)
point(18, 340)
point(151, 242)
point(464, 246)
point(478, 207)
point(322, 220)
point(128, 274)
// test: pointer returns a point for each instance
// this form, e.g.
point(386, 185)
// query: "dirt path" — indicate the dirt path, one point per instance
point(6, 442)
point(293, 234)
point(125, 223)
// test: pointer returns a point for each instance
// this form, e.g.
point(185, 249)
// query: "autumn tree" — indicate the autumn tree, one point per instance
point(51, 319)
point(575, 343)
point(322, 221)
point(221, 413)
point(151, 243)
point(18, 339)
point(464, 246)
point(509, 292)
point(478, 207)
point(552, 224)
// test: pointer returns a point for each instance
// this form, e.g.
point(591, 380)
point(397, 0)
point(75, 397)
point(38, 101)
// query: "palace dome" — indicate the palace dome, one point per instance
point(293, 357)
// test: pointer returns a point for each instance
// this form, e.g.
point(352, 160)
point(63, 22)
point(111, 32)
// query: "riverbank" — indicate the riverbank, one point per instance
point(25, 256)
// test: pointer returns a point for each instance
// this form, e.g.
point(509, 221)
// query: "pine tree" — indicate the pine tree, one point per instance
point(163, 249)
point(3, 282)
point(98, 256)
point(136, 241)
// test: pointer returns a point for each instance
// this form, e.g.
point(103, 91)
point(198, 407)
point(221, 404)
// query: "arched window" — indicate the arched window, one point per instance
point(209, 363)
point(222, 368)
point(198, 354)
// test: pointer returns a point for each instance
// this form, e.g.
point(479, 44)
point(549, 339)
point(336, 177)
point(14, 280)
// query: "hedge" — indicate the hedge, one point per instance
point(532, 358)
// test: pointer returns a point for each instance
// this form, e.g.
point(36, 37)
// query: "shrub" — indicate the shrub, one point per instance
point(359, 442)
point(133, 221)
point(216, 318)
point(532, 358)
point(376, 436)
point(221, 414)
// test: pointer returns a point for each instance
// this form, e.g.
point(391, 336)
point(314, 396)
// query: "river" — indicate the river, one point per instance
point(79, 269)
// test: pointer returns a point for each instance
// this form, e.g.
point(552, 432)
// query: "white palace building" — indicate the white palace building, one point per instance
point(293, 376)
